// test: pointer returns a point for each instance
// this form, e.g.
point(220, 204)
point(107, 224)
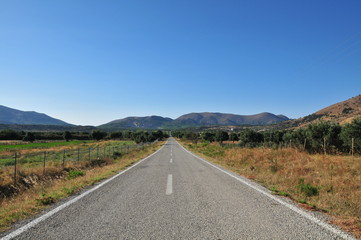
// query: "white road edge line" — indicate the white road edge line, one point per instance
point(290, 206)
point(66, 204)
point(169, 190)
point(171, 160)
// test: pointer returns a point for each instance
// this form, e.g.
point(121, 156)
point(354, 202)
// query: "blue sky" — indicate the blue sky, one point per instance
point(90, 62)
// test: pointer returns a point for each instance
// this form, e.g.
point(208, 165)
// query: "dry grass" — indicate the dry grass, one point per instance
point(37, 198)
point(84, 144)
point(337, 178)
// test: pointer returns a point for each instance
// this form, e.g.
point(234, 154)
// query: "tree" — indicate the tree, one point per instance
point(116, 135)
point(67, 136)
point(233, 137)
point(29, 137)
point(98, 135)
point(250, 138)
point(322, 131)
point(11, 135)
point(221, 136)
point(352, 130)
point(208, 136)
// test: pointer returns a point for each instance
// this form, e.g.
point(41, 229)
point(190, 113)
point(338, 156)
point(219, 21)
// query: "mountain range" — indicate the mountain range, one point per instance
point(342, 112)
point(194, 120)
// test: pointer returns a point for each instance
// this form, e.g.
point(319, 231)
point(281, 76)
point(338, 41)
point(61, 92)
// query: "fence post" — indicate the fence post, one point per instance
point(97, 152)
point(44, 163)
point(78, 154)
point(63, 159)
point(324, 146)
point(89, 155)
point(15, 162)
point(352, 146)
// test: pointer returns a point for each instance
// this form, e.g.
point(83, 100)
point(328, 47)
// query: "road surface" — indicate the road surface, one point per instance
point(174, 195)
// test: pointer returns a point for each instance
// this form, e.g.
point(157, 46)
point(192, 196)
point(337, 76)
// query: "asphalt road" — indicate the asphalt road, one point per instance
point(174, 195)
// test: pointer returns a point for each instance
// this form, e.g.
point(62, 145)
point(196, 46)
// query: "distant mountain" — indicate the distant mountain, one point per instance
point(46, 128)
point(151, 122)
point(224, 119)
point(14, 116)
point(194, 120)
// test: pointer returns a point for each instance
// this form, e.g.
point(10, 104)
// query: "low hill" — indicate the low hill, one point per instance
point(14, 116)
point(342, 113)
point(151, 122)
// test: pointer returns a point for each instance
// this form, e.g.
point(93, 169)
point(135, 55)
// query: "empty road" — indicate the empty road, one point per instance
point(174, 195)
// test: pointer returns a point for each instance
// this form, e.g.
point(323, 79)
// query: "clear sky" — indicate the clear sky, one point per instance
point(90, 62)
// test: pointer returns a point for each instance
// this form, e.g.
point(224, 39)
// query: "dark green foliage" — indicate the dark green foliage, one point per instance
point(98, 135)
point(116, 135)
point(312, 117)
point(29, 137)
point(144, 136)
point(11, 135)
point(75, 173)
point(250, 138)
point(221, 136)
point(352, 130)
point(318, 132)
point(188, 135)
point(67, 136)
point(233, 137)
point(347, 110)
point(117, 154)
point(307, 189)
point(208, 136)
point(45, 200)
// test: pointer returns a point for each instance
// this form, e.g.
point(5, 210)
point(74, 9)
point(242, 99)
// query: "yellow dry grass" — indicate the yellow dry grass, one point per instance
point(32, 201)
point(338, 178)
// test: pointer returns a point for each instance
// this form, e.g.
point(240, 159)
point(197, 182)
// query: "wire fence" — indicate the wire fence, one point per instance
point(63, 158)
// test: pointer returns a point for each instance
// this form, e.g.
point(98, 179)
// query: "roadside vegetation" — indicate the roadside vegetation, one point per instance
point(326, 180)
point(37, 187)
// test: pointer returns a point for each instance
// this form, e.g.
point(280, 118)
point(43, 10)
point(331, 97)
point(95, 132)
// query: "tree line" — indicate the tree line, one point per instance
point(137, 136)
point(322, 136)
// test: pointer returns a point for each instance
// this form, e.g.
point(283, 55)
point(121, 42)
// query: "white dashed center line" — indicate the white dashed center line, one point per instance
point(169, 190)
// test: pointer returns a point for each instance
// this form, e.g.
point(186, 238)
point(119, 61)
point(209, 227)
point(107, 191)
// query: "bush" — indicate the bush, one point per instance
point(29, 137)
point(307, 189)
point(45, 200)
point(117, 154)
point(98, 135)
point(75, 173)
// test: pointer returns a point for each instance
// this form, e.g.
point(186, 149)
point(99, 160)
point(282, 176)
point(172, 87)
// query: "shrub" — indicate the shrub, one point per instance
point(117, 154)
point(307, 189)
point(45, 200)
point(75, 173)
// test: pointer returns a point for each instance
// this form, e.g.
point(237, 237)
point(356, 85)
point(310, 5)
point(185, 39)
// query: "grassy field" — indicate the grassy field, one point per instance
point(58, 184)
point(11, 148)
point(58, 156)
point(327, 183)
point(42, 145)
